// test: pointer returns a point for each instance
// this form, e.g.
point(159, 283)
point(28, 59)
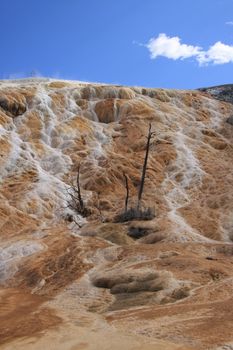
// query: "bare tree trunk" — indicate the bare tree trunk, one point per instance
point(81, 203)
point(140, 191)
point(127, 192)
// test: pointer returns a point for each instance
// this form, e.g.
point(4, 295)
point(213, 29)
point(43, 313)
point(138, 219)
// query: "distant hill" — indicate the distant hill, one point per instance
point(221, 92)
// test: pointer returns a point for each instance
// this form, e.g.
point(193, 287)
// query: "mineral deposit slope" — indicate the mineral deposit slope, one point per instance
point(71, 282)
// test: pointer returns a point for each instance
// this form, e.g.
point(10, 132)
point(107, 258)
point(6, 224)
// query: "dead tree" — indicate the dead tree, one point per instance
point(76, 202)
point(137, 212)
point(127, 192)
point(142, 181)
point(80, 200)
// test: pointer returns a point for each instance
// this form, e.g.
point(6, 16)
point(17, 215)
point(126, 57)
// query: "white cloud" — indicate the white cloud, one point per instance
point(172, 48)
point(218, 53)
point(229, 23)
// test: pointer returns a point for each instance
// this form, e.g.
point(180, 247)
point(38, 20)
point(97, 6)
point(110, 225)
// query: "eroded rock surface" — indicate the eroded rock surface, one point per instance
point(92, 283)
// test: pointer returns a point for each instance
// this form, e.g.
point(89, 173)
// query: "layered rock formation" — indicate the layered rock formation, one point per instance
point(74, 282)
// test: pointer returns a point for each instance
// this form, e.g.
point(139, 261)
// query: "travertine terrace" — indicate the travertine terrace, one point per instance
point(68, 282)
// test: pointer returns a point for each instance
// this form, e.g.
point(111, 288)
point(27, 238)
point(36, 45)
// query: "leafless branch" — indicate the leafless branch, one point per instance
point(127, 192)
point(140, 191)
point(76, 202)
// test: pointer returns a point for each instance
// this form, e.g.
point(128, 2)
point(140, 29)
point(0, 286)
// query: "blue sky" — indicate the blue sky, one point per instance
point(109, 41)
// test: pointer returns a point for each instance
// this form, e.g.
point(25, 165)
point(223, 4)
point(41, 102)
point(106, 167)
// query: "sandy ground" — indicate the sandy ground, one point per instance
point(71, 331)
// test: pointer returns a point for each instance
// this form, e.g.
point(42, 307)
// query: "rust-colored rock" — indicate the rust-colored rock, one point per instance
point(106, 111)
point(13, 104)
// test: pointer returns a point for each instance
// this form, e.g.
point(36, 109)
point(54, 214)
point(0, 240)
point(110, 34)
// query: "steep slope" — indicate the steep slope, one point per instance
point(173, 281)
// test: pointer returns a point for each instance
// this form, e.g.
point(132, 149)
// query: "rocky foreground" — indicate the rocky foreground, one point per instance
point(74, 282)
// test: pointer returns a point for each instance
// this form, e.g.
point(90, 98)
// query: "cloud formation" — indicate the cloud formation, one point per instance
point(229, 23)
point(173, 48)
point(218, 53)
